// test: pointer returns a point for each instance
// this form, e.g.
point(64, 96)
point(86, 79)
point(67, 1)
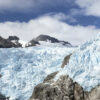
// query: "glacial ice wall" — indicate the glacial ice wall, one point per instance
point(84, 64)
point(23, 68)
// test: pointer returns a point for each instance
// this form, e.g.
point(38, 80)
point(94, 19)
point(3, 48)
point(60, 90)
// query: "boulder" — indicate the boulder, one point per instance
point(2, 97)
point(66, 60)
point(62, 89)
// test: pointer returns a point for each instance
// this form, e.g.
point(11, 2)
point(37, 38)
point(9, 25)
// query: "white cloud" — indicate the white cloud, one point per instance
point(91, 7)
point(14, 5)
point(50, 26)
point(30, 5)
point(62, 17)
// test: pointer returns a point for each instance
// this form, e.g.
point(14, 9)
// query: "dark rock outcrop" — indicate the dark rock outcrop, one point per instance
point(5, 43)
point(32, 43)
point(0, 75)
point(11, 38)
point(63, 89)
point(2, 97)
point(50, 77)
point(94, 94)
point(46, 38)
point(66, 60)
point(15, 40)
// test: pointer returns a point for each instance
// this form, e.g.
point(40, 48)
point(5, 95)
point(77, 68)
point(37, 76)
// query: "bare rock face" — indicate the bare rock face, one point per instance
point(94, 94)
point(15, 40)
point(78, 92)
point(46, 38)
point(66, 60)
point(32, 43)
point(0, 75)
point(50, 77)
point(5, 43)
point(2, 97)
point(11, 38)
point(52, 39)
point(62, 89)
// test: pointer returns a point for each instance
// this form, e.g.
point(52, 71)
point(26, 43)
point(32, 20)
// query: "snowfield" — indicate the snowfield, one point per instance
point(23, 68)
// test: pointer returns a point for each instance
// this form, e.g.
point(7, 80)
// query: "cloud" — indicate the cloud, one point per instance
point(15, 5)
point(62, 17)
point(50, 26)
point(30, 5)
point(90, 7)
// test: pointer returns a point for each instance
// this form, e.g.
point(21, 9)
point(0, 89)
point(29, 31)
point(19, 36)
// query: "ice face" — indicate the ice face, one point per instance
point(84, 64)
point(22, 69)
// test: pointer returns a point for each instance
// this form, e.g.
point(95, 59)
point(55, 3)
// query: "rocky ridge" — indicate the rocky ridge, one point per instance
point(14, 41)
point(46, 38)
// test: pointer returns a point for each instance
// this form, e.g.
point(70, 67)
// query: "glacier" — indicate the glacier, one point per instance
point(84, 64)
point(23, 68)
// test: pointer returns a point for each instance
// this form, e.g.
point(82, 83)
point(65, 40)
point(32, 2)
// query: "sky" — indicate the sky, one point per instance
point(75, 21)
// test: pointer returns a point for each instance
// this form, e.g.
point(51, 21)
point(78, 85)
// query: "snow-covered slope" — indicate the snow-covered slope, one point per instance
point(84, 64)
point(24, 68)
point(47, 40)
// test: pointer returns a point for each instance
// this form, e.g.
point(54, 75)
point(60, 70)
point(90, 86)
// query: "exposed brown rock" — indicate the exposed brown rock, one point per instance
point(0, 75)
point(94, 94)
point(62, 89)
point(50, 77)
point(78, 92)
point(66, 60)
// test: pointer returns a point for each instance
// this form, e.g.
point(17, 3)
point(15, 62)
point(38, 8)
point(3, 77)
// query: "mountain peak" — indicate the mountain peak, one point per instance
point(6, 43)
point(47, 40)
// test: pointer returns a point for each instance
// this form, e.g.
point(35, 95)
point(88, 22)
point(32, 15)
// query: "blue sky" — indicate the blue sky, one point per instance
point(82, 16)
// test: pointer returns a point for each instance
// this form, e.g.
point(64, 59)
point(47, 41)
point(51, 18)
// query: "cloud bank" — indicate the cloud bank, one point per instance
point(49, 25)
point(15, 5)
point(90, 7)
point(29, 5)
